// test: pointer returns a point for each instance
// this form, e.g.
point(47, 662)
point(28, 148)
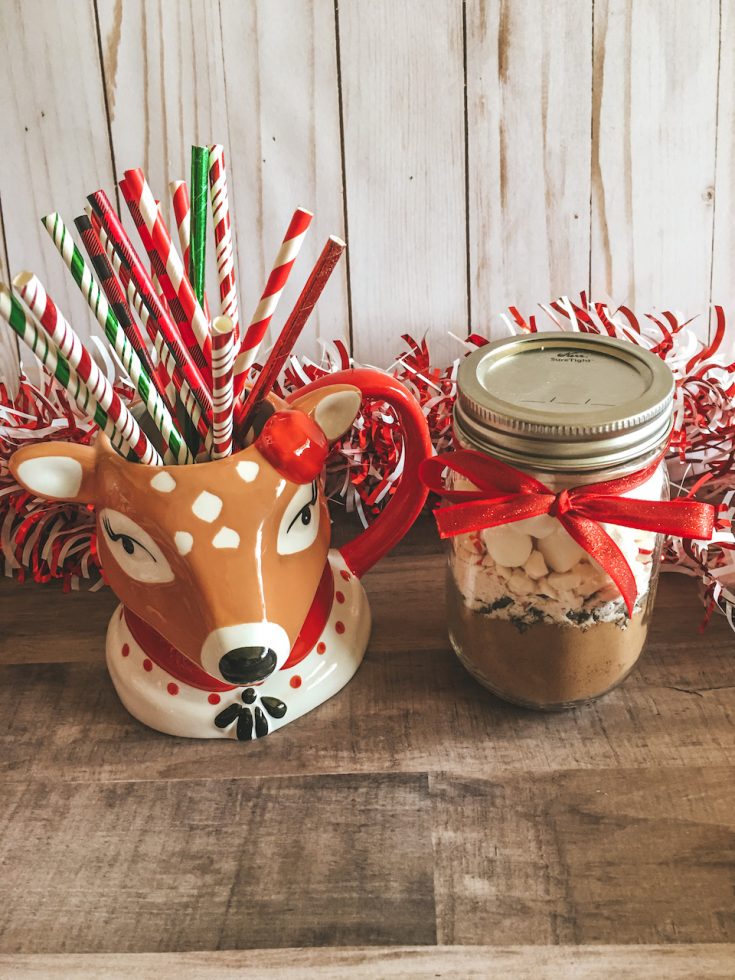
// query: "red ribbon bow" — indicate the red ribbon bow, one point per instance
point(506, 495)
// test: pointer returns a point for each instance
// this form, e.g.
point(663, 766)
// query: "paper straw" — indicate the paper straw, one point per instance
point(277, 279)
point(107, 319)
point(58, 366)
point(114, 292)
point(182, 213)
point(163, 323)
point(287, 338)
point(198, 194)
point(223, 357)
point(223, 234)
point(185, 310)
point(70, 346)
point(166, 360)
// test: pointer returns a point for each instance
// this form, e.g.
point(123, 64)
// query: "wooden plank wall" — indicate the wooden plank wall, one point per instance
point(476, 153)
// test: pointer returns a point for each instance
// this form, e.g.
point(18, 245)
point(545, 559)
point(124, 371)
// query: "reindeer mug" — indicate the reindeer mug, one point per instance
point(236, 617)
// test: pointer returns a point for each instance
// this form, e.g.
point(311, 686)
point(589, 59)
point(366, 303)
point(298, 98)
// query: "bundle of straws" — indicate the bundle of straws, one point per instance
point(188, 368)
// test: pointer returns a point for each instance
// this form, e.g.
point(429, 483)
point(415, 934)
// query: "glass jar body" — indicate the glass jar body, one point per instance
point(534, 618)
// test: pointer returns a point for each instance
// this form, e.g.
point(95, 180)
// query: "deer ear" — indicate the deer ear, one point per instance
point(56, 471)
point(333, 408)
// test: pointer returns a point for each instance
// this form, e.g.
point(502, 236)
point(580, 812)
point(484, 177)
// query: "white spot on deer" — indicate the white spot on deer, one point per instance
point(52, 476)
point(226, 538)
point(207, 507)
point(163, 482)
point(247, 470)
point(183, 541)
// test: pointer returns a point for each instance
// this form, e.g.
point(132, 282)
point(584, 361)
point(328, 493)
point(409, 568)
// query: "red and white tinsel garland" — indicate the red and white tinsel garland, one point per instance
point(56, 541)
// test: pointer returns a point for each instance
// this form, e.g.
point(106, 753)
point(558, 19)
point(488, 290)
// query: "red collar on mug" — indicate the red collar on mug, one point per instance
point(505, 495)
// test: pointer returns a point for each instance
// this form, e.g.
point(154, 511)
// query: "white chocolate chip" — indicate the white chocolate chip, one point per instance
point(506, 546)
point(565, 581)
point(560, 550)
point(535, 567)
point(520, 584)
point(538, 527)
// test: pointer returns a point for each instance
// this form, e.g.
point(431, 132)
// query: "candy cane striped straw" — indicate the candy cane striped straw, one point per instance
point(116, 233)
point(182, 212)
point(166, 359)
point(223, 357)
point(107, 319)
point(113, 291)
point(57, 365)
point(287, 338)
point(290, 246)
point(171, 271)
point(166, 293)
point(223, 233)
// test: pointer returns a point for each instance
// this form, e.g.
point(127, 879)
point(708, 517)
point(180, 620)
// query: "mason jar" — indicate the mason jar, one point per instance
point(532, 616)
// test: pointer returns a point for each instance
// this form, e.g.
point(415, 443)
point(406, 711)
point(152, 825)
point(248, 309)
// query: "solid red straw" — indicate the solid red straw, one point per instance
point(287, 338)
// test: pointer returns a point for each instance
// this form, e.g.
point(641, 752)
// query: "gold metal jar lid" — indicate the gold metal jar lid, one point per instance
point(564, 401)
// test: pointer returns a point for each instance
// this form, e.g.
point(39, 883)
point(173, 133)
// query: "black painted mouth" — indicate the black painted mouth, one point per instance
point(247, 665)
point(251, 722)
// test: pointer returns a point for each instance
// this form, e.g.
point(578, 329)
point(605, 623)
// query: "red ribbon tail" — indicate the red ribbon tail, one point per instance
point(598, 543)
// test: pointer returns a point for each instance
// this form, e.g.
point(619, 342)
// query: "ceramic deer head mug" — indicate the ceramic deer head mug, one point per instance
point(236, 617)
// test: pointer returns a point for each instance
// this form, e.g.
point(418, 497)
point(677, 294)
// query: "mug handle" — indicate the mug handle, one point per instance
point(404, 507)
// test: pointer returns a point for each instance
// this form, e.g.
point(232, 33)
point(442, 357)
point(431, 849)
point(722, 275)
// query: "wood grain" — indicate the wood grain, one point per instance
point(9, 355)
point(653, 155)
point(642, 855)
point(678, 962)
point(723, 243)
point(528, 112)
point(57, 150)
point(179, 866)
point(280, 63)
point(402, 94)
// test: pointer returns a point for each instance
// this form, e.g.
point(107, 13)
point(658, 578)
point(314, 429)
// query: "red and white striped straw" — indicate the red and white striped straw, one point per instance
point(223, 358)
point(277, 279)
point(223, 234)
point(182, 212)
point(163, 323)
point(70, 346)
point(172, 276)
point(292, 328)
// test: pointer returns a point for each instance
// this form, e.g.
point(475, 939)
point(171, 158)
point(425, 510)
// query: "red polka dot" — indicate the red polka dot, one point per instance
point(345, 575)
point(321, 648)
point(214, 699)
point(339, 626)
point(295, 681)
point(125, 650)
point(339, 596)
point(173, 688)
point(147, 665)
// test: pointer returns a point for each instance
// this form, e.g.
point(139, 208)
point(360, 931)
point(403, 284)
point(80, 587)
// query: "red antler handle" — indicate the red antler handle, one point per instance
point(406, 503)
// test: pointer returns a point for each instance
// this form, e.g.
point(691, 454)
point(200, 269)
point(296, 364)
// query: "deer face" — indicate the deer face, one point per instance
point(223, 559)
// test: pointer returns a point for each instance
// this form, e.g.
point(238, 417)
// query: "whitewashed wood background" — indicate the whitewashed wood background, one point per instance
point(474, 153)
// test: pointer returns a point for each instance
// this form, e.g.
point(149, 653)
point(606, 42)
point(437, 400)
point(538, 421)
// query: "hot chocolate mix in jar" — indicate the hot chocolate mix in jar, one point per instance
point(532, 613)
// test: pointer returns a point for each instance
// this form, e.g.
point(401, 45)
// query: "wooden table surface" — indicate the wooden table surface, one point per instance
point(411, 826)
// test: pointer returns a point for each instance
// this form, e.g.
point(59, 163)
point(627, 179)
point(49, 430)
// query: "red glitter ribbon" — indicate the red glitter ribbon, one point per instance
point(506, 495)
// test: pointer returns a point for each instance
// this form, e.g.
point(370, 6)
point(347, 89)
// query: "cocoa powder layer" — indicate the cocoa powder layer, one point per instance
point(544, 666)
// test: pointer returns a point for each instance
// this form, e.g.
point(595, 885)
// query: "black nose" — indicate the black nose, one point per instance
point(246, 665)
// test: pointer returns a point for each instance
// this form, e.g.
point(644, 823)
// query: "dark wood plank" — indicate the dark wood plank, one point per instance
point(676, 962)
point(641, 856)
point(216, 864)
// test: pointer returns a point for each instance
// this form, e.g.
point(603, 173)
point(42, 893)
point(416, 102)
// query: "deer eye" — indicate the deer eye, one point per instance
point(134, 549)
point(300, 523)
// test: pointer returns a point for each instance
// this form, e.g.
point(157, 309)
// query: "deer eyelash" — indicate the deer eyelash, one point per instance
point(314, 495)
point(114, 536)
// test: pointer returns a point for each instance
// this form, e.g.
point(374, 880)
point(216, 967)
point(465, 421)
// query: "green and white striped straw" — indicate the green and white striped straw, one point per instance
point(98, 304)
point(56, 364)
